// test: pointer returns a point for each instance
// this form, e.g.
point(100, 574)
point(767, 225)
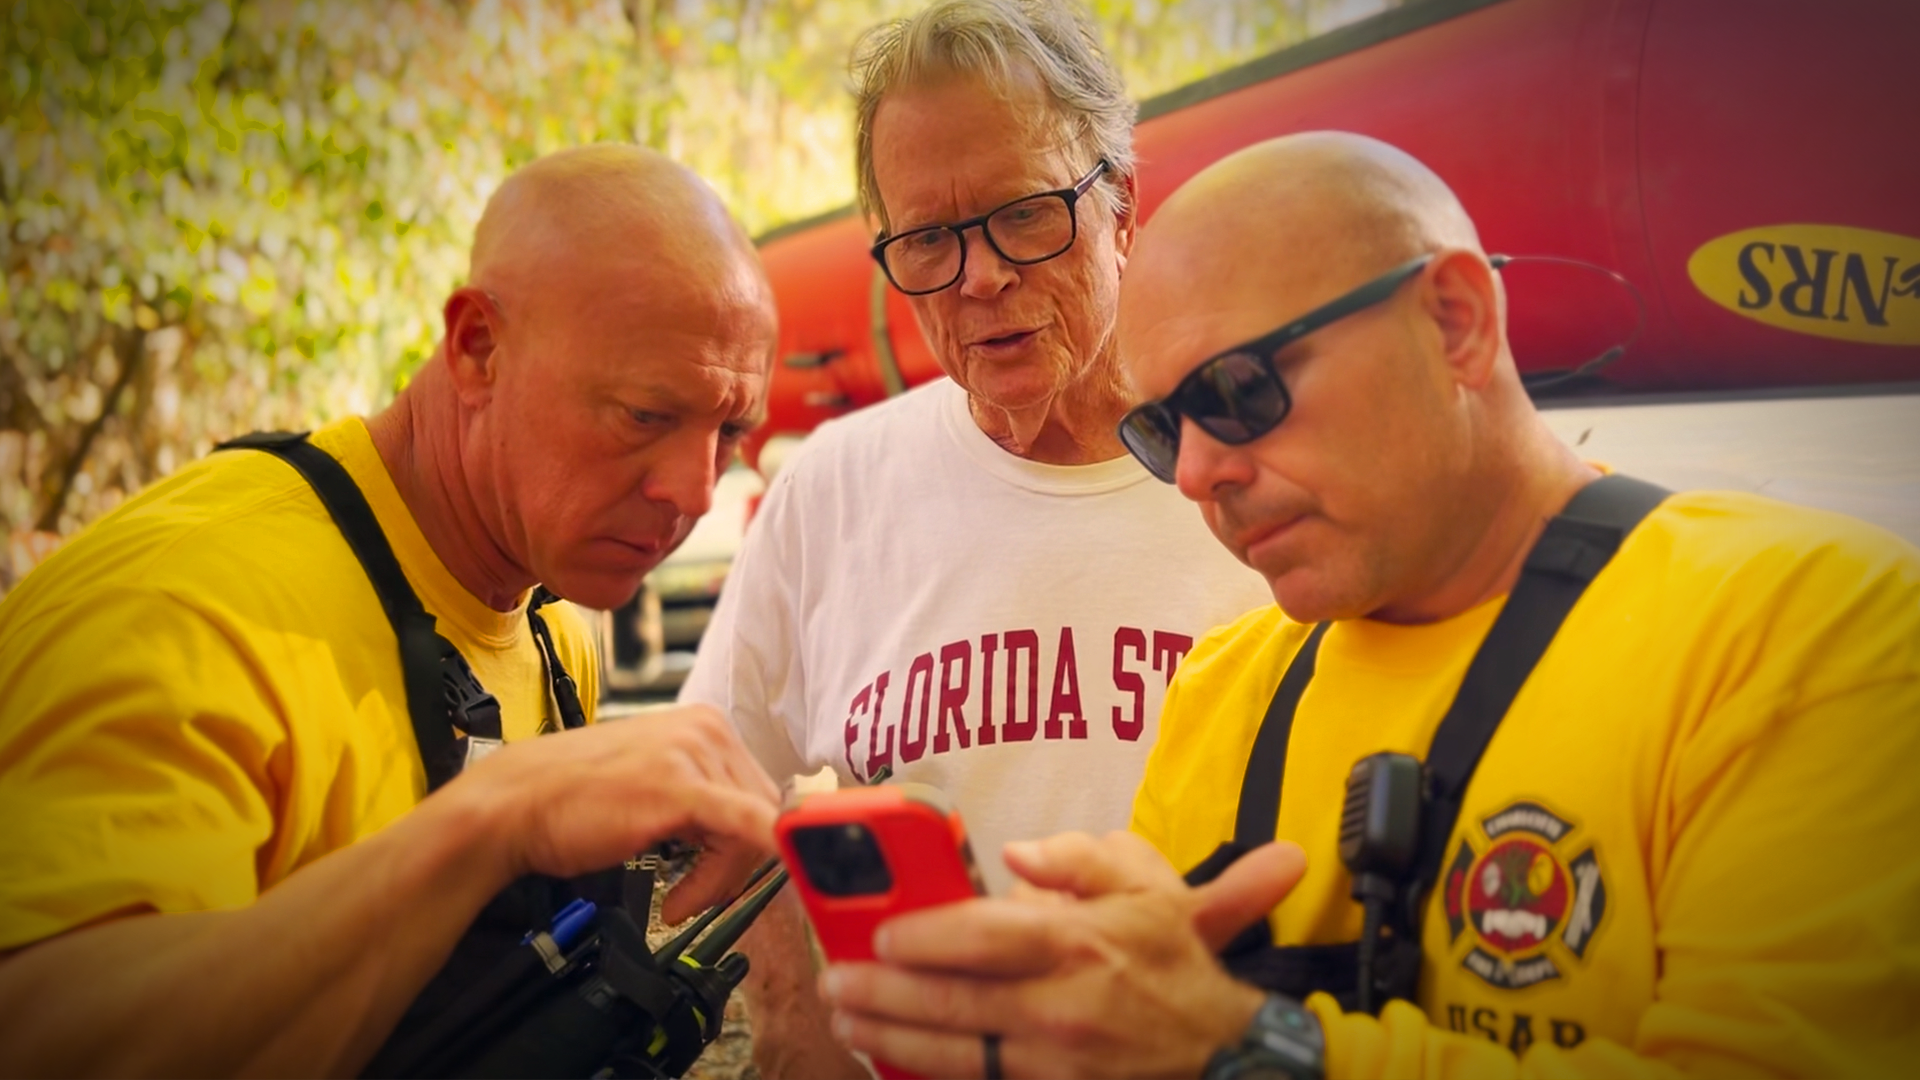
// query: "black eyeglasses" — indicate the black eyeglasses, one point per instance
point(1237, 396)
point(1027, 230)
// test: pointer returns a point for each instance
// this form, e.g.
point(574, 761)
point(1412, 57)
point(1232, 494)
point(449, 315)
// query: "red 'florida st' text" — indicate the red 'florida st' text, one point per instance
point(1002, 693)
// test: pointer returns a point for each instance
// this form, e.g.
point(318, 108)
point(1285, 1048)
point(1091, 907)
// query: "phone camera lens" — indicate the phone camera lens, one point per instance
point(843, 860)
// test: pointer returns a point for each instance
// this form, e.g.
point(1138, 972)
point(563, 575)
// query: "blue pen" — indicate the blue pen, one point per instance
point(568, 925)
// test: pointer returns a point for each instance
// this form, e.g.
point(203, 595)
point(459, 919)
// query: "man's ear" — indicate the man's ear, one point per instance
point(1463, 300)
point(473, 335)
point(1128, 219)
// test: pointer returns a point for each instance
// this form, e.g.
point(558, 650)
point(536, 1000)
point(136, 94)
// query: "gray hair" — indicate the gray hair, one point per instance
point(993, 40)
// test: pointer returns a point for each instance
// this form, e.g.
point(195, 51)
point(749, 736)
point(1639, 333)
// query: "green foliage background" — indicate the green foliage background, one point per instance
point(223, 215)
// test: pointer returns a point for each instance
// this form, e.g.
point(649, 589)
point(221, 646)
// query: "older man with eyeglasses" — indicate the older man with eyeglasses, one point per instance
point(972, 585)
point(1588, 778)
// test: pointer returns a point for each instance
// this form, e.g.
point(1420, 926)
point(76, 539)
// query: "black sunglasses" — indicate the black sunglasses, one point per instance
point(1236, 396)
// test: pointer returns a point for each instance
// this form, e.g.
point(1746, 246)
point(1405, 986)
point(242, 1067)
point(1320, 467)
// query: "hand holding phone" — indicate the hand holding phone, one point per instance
point(862, 856)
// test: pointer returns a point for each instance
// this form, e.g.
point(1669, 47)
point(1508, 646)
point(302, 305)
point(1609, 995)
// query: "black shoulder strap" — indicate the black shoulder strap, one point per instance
point(566, 693)
point(422, 649)
point(1253, 823)
point(1576, 545)
point(440, 688)
point(1570, 553)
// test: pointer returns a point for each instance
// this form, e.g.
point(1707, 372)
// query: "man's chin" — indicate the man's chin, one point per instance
point(602, 592)
point(1308, 598)
point(1013, 388)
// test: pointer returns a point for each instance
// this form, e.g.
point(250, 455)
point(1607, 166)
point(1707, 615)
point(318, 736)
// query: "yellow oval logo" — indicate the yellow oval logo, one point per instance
point(1831, 280)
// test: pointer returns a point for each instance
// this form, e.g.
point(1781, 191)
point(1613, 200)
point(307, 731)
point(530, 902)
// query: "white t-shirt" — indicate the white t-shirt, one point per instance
point(910, 594)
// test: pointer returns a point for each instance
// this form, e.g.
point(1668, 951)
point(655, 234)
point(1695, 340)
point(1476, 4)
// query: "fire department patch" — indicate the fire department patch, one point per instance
point(1522, 904)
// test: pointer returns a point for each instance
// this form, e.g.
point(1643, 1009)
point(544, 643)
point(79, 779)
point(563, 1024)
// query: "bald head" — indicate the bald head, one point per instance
point(611, 206)
point(1328, 194)
point(1313, 214)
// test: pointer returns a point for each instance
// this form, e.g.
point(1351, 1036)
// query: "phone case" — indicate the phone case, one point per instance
point(921, 839)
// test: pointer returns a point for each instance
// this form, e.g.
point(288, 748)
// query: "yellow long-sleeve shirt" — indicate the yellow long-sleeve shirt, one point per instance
point(1688, 850)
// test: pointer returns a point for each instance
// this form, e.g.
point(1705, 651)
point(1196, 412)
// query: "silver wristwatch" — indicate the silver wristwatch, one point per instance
point(1284, 1042)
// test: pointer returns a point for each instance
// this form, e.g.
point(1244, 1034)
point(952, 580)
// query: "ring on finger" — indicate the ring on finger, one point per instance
point(990, 1048)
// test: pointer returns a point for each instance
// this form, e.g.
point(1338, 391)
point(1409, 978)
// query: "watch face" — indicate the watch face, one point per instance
point(1284, 1042)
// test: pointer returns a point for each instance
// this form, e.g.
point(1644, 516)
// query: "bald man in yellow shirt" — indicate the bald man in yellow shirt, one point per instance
point(220, 854)
point(1685, 849)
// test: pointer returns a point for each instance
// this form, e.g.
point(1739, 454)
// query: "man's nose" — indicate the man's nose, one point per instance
point(1206, 464)
point(985, 274)
point(684, 476)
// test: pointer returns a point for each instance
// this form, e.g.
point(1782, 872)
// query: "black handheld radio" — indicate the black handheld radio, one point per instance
point(1379, 837)
point(588, 997)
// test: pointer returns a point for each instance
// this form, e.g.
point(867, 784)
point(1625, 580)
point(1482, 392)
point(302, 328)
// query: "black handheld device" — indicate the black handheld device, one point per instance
point(587, 996)
point(1379, 836)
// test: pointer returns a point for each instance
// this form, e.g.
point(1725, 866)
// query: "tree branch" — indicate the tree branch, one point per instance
point(130, 348)
point(18, 410)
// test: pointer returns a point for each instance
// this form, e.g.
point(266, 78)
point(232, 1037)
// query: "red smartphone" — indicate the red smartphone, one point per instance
point(863, 855)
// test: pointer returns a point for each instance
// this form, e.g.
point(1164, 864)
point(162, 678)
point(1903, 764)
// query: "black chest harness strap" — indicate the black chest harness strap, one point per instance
point(1571, 552)
point(455, 721)
point(443, 696)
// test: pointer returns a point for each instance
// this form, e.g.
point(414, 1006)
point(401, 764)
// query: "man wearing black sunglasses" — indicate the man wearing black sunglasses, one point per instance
point(1682, 849)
